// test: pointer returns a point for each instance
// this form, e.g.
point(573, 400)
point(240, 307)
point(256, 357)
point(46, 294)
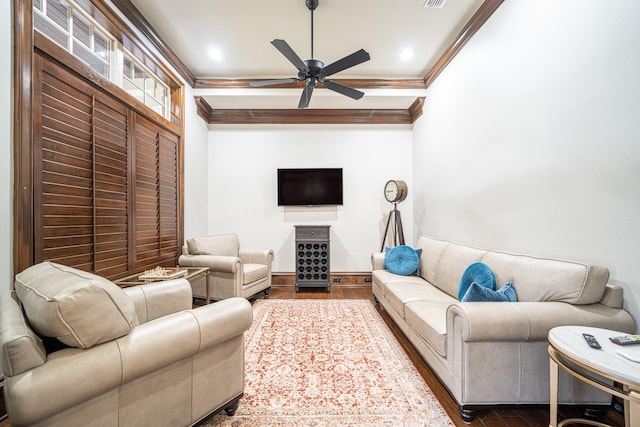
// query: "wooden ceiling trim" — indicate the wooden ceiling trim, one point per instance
point(154, 40)
point(355, 83)
point(415, 110)
point(475, 23)
point(203, 108)
point(319, 116)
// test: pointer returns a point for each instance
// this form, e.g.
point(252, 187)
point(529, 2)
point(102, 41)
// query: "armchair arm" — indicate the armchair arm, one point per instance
point(256, 256)
point(158, 299)
point(225, 264)
point(529, 321)
point(70, 376)
point(377, 261)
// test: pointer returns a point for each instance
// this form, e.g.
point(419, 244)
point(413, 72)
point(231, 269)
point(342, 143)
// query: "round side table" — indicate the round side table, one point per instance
point(569, 350)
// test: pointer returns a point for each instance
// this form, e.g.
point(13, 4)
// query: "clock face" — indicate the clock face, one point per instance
point(391, 191)
point(395, 191)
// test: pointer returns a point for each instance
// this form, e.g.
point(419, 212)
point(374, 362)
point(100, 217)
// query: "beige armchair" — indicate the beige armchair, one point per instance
point(234, 271)
point(78, 350)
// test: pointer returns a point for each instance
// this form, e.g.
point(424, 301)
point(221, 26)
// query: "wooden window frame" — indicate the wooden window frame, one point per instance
point(26, 42)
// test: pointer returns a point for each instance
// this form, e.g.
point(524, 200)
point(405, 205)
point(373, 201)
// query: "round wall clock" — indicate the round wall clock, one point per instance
point(395, 190)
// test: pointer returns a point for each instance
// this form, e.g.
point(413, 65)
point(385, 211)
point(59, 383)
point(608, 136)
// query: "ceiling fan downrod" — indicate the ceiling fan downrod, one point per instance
point(312, 5)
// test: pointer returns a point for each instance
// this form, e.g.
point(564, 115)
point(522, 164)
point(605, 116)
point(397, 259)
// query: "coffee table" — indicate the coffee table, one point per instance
point(569, 350)
point(191, 273)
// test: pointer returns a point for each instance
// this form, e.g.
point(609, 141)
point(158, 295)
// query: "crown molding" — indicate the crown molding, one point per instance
point(481, 16)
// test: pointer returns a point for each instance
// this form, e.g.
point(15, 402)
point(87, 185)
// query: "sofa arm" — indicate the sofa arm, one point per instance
point(256, 256)
point(74, 375)
point(224, 264)
point(182, 335)
point(377, 261)
point(530, 321)
point(154, 300)
point(612, 296)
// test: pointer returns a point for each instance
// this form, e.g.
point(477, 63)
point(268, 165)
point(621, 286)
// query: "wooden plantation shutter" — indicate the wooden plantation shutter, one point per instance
point(156, 180)
point(111, 192)
point(105, 179)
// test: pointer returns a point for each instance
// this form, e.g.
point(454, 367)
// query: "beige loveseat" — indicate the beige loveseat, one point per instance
point(491, 353)
point(134, 357)
point(234, 271)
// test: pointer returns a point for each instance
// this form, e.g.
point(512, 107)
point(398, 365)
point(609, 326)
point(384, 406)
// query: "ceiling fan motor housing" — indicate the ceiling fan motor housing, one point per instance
point(314, 73)
point(312, 4)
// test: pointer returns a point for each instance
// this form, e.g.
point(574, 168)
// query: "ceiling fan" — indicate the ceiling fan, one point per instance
point(313, 71)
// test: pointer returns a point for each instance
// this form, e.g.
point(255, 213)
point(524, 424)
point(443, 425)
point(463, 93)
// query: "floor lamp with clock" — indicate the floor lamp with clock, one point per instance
point(395, 191)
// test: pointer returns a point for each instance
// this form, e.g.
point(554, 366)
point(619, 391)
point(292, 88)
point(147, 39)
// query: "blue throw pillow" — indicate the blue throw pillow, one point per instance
point(403, 260)
point(477, 293)
point(479, 273)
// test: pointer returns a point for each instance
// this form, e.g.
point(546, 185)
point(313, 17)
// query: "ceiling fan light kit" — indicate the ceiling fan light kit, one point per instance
point(313, 71)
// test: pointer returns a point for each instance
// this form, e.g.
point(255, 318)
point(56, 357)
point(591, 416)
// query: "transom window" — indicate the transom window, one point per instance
point(66, 24)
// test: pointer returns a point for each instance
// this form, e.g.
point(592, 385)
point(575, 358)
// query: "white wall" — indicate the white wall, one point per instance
point(196, 165)
point(242, 186)
point(530, 138)
point(6, 146)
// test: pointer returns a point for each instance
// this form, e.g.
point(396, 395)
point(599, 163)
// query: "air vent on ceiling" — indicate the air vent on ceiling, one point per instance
point(435, 4)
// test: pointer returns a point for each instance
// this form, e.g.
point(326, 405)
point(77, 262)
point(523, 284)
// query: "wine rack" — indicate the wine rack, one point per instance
point(313, 256)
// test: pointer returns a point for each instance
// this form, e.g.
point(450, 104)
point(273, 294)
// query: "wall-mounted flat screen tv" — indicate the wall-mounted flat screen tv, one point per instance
point(309, 187)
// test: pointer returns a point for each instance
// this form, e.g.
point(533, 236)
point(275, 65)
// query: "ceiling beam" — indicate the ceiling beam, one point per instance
point(354, 83)
point(309, 116)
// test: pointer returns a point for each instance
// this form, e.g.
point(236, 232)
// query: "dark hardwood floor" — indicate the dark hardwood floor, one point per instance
point(497, 417)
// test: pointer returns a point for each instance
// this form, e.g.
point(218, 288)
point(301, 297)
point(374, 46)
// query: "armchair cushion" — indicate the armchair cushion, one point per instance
point(224, 244)
point(78, 308)
point(253, 272)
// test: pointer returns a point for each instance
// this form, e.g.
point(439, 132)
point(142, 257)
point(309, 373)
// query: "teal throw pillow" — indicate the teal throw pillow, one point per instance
point(403, 260)
point(477, 293)
point(479, 273)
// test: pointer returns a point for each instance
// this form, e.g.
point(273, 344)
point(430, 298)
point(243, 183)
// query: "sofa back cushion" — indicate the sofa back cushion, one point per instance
point(223, 245)
point(78, 308)
point(535, 279)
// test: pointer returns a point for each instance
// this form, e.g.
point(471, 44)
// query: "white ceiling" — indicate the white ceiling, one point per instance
point(240, 31)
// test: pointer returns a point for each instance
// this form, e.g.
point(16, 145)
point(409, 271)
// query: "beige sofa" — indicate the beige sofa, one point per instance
point(492, 353)
point(112, 357)
point(234, 271)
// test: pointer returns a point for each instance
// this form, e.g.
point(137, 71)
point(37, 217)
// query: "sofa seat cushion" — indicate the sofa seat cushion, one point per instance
point(399, 293)
point(429, 320)
point(78, 308)
point(253, 272)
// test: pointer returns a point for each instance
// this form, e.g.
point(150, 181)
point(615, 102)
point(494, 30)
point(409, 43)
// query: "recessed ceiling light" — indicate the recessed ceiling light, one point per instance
point(406, 54)
point(215, 54)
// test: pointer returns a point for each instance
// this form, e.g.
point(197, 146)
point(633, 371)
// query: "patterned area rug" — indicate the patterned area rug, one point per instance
point(329, 363)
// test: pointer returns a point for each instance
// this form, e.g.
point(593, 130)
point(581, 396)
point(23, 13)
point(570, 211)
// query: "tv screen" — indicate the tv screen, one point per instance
point(309, 187)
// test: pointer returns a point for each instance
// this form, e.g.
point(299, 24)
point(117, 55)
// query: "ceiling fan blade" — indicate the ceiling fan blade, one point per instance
point(293, 57)
point(347, 62)
point(305, 97)
point(261, 83)
point(342, 89)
